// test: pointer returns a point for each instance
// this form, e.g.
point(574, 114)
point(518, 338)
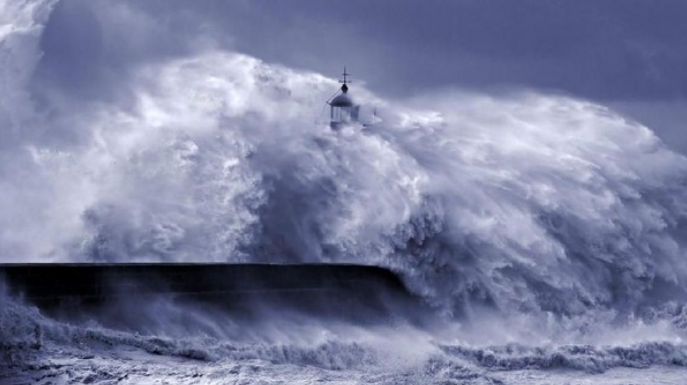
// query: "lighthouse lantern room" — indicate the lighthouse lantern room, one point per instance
point(343, 110)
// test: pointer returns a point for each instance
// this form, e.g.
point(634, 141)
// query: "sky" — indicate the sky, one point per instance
point(628, 55)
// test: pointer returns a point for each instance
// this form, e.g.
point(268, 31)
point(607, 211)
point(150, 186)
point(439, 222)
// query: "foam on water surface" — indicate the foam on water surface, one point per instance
point(548, 230)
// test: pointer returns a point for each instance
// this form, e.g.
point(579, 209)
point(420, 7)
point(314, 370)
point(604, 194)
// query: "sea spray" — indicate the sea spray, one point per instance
point(517, 203)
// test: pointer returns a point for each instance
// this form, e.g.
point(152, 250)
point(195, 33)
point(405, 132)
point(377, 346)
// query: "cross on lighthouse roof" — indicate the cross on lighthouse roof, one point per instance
point(345, 81)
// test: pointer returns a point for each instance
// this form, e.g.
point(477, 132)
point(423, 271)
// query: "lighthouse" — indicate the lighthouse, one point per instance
point(343, 110)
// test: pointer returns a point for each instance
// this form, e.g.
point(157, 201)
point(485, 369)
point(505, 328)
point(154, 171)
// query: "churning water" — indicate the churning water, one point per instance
point(546, 232)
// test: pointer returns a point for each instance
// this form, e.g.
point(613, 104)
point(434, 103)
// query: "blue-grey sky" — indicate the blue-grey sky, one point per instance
point(630, 55)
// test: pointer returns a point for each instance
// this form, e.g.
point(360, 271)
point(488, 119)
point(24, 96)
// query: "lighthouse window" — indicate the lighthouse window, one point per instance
point(341, 114)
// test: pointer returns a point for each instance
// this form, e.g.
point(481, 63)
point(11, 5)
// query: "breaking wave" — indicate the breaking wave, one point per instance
point(36, 349)
point(536, 215)
point(526, 202)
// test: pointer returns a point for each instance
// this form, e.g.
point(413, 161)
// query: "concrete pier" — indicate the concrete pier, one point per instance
point(333, 290)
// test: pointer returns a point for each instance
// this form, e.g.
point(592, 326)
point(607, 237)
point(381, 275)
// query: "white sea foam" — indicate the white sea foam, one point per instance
point(526, 217)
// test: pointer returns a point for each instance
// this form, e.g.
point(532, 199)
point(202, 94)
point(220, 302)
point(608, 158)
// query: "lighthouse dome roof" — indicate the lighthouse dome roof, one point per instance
point(343, 100)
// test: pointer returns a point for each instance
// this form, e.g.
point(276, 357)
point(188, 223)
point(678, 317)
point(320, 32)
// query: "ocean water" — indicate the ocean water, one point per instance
point(546, 233)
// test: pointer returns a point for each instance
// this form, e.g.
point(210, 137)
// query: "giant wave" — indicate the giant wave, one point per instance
point(519, 216)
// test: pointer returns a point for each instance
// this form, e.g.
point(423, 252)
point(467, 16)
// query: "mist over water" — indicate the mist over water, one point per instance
point(523, 217)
